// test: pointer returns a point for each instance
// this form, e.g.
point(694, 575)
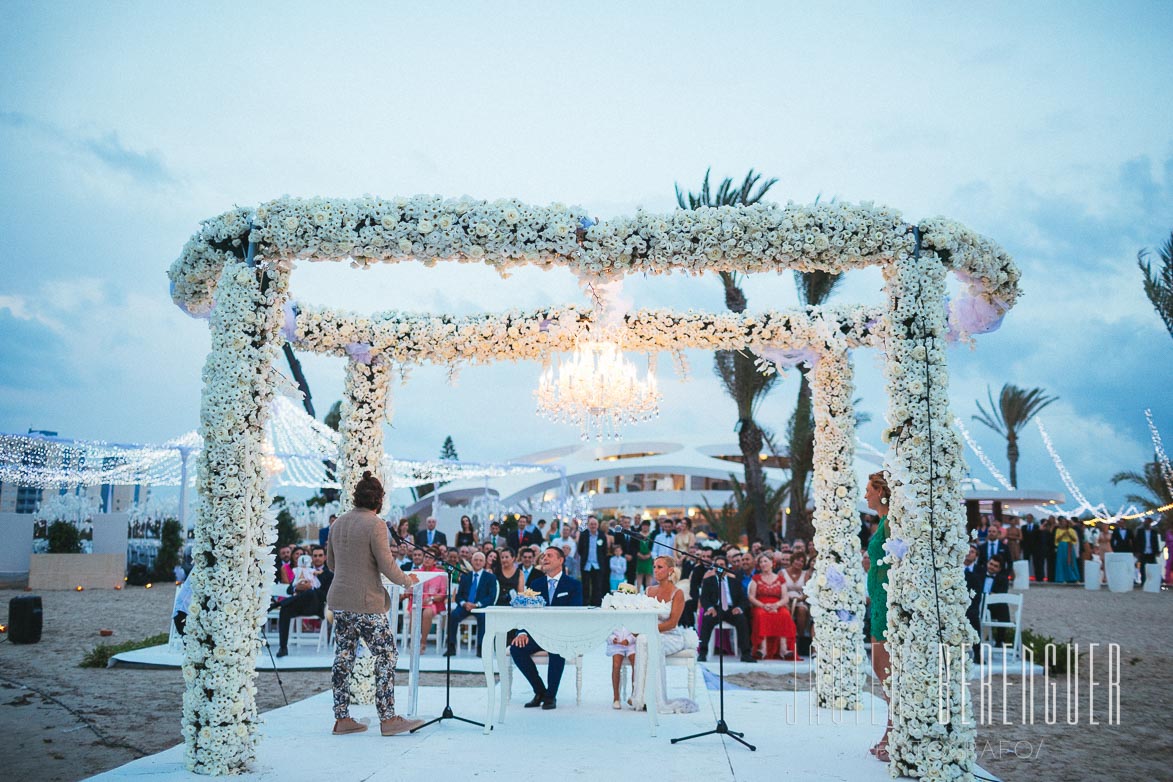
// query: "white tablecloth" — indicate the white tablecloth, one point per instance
point(568, 631)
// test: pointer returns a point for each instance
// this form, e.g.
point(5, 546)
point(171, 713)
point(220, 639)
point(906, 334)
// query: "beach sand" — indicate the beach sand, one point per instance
point(62, 722)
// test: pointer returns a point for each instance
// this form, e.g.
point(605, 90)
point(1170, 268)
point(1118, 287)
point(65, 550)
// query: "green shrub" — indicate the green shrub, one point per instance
point(64, 538)
point(99, 656)
point(1037, 643)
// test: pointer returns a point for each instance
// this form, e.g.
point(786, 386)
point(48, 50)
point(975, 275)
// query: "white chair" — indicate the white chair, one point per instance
point(542, 658)
point(466, 633)
point(1014, 605)
point(1021, 576)
point(1091, 575)
point(716, 634)
point(685, 657)
point(326, 632)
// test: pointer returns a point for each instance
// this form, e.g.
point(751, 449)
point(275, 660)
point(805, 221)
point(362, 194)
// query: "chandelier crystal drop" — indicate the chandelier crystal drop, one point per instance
point(597, 390)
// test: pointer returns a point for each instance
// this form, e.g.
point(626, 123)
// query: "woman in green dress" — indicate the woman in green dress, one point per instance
point(877, 497)
point(643, 558)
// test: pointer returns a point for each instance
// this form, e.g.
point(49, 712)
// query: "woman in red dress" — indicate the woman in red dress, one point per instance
point(771, 620)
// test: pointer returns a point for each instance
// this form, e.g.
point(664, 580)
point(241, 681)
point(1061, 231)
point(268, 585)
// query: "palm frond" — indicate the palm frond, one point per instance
point(1158, 286)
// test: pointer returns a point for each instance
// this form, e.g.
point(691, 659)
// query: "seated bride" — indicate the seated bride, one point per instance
point(673, 639)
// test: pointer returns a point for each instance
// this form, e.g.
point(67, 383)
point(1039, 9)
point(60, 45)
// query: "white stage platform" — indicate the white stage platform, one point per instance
point(307, 658)
point(794, 740)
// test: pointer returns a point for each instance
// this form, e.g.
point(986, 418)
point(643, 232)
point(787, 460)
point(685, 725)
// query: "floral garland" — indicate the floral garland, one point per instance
point(833, 237)
point(837, 592)
point(233, 542)
point(405, 338)
point(927, 595)
point(364, 407)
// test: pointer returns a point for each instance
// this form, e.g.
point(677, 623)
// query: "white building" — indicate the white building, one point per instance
point(649, 478)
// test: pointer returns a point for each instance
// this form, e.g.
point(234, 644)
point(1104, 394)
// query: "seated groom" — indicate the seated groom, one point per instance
point(477, 590)
point(558, 589)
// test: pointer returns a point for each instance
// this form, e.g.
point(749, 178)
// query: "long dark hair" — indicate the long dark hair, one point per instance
point(368, 493)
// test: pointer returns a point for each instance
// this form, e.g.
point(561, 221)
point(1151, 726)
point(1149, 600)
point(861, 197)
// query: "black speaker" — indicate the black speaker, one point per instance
point(24, 619)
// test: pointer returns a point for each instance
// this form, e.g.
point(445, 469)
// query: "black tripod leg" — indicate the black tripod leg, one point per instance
point(447, 713)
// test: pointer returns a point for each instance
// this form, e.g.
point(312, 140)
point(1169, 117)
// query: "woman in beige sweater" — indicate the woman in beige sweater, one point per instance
point(358, 552)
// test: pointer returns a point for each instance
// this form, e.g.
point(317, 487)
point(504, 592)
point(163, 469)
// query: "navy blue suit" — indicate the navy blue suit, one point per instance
point(486, 595)
point(567, 593)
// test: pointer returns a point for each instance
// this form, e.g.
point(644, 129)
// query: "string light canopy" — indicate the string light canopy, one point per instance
point(299, 452)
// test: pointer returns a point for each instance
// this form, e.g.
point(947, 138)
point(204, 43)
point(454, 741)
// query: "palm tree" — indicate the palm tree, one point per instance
point(814, 288)
point(730, 520)
point(1016, 406)
point(736, 369)
point(1159, 286)
point(1151, 480)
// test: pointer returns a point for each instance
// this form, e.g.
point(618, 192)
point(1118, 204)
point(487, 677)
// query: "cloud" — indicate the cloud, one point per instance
point(107, 149)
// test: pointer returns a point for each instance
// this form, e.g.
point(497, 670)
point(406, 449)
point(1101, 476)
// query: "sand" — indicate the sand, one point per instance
point(62, 722)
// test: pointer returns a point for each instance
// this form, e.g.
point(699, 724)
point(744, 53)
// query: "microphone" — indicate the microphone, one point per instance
point(617, 531)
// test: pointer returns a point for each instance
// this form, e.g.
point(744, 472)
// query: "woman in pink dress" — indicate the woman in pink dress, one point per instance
point(770, 615)
point(1169, 555)
point(434, 599)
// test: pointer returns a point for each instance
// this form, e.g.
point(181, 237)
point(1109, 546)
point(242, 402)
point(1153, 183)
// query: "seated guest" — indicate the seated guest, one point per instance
point(795, 577)
point(508, 576)
point(773, 626)
point(527, 573)
point(991, 581)
point(476, 590)
point(723, 600)
point(434, 599)
point(558, 589)
point(307, 599)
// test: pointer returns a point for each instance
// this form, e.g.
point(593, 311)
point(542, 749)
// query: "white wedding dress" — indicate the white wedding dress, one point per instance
point(673, 641)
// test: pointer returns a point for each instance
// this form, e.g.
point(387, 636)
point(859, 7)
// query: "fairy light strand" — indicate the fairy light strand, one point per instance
point(1162, 457)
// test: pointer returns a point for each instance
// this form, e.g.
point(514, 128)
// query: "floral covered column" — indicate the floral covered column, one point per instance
point(928, 635)
point(232, 550)
point(837, 601)
point(364, 406)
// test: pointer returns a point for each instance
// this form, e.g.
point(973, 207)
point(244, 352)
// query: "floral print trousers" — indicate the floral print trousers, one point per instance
point(375, 631)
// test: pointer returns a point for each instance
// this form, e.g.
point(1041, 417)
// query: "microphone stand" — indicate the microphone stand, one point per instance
point(447, 714)
point(722, 728)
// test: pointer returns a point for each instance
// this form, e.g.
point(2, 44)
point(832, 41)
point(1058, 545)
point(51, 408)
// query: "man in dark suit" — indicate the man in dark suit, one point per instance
point(429, 535)
point(990, 580)
point(699, 570)
point(723, 600)
point(1146, 545)
point(1032, 546)
point(558, 589)
point(594, 559)
point(476, 590)
point(526, 534)
point(1121, 538)
point(305, 600)
point(993, 547)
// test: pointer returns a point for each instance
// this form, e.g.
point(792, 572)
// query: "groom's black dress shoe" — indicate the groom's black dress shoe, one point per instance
point(550, 703)
point(538, 700)
point(282, 652)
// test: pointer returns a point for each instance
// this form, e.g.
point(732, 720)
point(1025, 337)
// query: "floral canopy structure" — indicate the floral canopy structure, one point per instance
point(240, 262)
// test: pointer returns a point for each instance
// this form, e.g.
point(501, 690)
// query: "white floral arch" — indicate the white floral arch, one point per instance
point(240, 263)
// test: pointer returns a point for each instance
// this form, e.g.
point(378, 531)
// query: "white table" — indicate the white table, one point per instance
point(567, 631)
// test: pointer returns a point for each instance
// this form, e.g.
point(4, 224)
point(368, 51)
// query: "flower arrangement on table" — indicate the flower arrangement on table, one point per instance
point(623, 600)
point(527, 598)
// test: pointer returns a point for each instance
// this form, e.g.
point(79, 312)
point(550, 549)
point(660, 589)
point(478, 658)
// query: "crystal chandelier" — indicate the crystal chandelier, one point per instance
point(597, 390)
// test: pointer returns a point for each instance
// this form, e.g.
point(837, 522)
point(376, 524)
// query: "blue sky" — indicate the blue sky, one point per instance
point(1046, 127)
